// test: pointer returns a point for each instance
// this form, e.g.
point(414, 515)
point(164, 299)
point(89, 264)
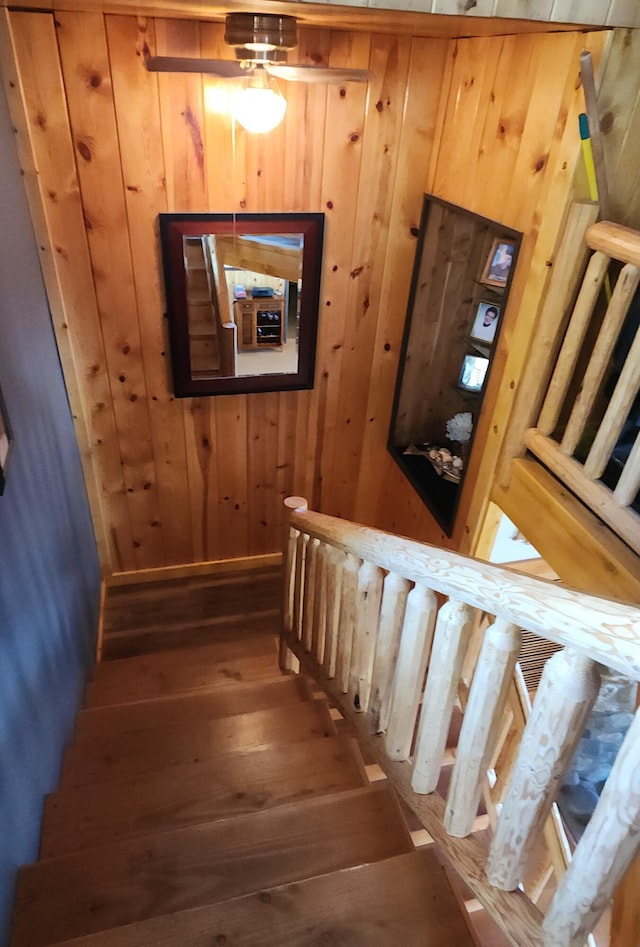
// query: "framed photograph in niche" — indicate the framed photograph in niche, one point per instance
point(498, 264)
point(6, 438)
point(473, 372)
point(485, 323)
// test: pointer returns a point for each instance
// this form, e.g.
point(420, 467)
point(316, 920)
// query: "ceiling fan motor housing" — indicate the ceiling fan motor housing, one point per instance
point(261, 37)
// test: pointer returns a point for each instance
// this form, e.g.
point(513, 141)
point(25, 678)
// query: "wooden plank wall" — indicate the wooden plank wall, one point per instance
point(487, 123)
point(507, 150)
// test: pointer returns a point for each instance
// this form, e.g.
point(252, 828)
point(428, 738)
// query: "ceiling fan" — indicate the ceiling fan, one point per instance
point(261, 42)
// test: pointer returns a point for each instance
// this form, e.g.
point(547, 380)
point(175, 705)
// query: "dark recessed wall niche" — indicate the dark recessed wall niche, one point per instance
point(462, 273)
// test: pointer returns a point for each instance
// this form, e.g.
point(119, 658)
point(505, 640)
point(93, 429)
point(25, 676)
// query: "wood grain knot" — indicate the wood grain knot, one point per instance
point(84, 150)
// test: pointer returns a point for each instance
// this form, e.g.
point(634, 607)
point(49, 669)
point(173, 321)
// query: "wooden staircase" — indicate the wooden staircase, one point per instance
point(207, 799)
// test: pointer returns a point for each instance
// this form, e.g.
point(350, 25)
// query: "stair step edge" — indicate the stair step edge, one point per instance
point(79, 819)
point(142, 751)
point(384, 903)
point(294, 689)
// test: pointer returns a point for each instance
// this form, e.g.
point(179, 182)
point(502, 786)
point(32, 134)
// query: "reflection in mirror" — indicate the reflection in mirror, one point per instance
point(242, 295)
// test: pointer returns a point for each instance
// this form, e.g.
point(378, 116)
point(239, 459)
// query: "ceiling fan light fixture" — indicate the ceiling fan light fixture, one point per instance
point(261, 37)
point(259, 107)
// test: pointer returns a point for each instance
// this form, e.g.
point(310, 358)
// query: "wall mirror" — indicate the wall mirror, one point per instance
point(242, 300)
point(462, 274)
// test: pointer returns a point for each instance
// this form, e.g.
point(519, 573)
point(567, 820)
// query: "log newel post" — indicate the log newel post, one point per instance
point(605, 851)
point(453, 630)
point(287, 660)
point(413, 656)
point(481, 724)
point(567, 691)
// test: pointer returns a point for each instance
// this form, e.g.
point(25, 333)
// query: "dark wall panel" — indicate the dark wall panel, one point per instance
point(49, 575)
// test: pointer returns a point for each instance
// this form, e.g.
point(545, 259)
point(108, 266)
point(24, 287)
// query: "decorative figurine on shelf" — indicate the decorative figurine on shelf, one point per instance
point(459, 427)
point(446, 464)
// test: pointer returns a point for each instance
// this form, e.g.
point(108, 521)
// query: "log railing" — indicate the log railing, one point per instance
point(383, 623)
point(589, 399)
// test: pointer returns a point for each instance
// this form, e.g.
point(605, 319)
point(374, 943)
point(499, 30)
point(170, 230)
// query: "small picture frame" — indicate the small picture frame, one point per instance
point(499, 262)
point(6, 439)
point(473, 372)
point(485, 322)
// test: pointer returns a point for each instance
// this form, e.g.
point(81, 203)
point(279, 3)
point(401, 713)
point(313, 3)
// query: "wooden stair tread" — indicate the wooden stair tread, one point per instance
point(142, 751)
point(228, 784)
point(186, 599)
point(404, 900)
point(208, 705)
point(180, 679)
point(188, 633)
point(66, 897)
point(165, 662)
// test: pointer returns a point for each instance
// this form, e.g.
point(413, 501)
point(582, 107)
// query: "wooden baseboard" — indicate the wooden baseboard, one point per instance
point(188, 569)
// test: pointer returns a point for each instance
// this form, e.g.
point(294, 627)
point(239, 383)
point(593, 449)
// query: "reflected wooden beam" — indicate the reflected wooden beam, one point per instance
point(251, 253)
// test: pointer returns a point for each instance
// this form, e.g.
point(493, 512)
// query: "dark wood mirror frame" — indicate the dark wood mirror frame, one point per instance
point(173, 230)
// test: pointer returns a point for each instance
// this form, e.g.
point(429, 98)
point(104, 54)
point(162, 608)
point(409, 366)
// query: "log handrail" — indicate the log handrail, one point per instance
point(362, 615)
point(604, 630)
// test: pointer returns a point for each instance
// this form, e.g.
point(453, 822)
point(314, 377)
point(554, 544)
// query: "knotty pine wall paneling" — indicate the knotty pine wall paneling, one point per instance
point(35, 92)
point(183, 480)
point(507, 149)
point(84, 56)
point(389, 61)
point(427, 65)
point(139, 129)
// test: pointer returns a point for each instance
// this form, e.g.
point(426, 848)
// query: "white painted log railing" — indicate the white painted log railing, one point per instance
point(555, 443)
point(363, 613)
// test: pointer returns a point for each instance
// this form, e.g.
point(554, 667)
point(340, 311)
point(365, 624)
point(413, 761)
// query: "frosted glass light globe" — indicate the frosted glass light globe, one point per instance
point(259, 110)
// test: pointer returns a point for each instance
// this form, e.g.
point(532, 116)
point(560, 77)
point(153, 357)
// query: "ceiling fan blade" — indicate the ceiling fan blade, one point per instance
point(304, 73)
point(215, 67)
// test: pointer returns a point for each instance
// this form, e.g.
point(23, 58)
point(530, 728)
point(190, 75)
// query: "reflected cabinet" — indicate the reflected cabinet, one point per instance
point(462, 274)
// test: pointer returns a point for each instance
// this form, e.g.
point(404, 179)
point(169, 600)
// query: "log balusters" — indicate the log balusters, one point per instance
point(319, 622)
point(610, 843)
point(480, 726)
point(579, 444)
point(298, 589)
point(291, 586)
point(413, 656)
point(453, 629)
point(394, 601)
point(333, 586)
point(309, 592)
point(347, 619)
point(368, 599)
point(360, 613)
point(565, 696)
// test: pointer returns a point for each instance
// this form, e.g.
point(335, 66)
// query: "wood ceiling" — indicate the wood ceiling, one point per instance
point(443, 25)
